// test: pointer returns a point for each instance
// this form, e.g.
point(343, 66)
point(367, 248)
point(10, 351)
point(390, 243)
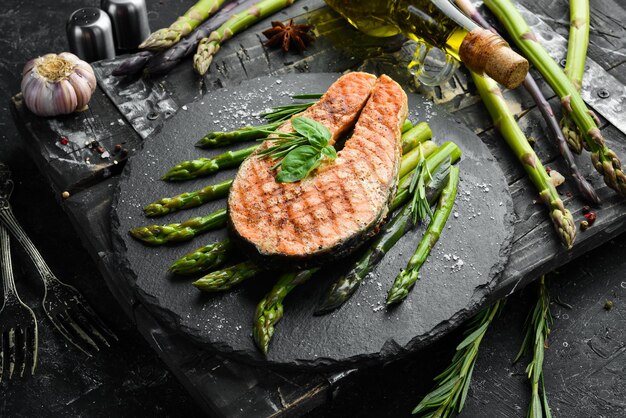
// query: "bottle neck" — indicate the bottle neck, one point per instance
point(438, 22)
point(455, 14)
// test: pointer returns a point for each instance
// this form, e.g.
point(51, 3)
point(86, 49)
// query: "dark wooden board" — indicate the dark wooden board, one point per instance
point(471, 253)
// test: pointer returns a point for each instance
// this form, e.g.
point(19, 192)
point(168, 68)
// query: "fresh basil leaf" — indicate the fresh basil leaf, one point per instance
point(329, 151)
point(298, 164)
point(317, 134)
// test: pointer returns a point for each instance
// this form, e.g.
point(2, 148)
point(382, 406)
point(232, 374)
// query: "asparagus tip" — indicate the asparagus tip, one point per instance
point(401, 286)
point(153, 210)
point(261, 340)
point(161, 39)
point(327, 306)
point(565, 225)
point(586, 189)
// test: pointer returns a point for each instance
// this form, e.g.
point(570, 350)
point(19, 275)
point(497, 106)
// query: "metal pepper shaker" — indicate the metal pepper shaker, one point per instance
point(90, 34)
point(130, 21)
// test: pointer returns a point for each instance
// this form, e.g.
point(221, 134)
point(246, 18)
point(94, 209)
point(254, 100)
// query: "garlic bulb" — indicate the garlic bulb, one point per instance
point(57, 84)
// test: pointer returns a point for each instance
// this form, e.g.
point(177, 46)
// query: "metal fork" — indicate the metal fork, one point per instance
point(64, 305)
point(18, 325)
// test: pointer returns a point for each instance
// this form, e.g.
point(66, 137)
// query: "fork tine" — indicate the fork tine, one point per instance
point(66, 333)
point(78, 330)
point(11, 352)
point(1, 355)
point(81, 317)
point(95, 319)
point(20, 341)
point(33, 343)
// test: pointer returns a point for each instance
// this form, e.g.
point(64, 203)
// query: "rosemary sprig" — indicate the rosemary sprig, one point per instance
point(282, 144)
point(536, 339)
point(452, 385)
point(420, 207)
point(307, 96)
point(276, 117)
point(284, 112)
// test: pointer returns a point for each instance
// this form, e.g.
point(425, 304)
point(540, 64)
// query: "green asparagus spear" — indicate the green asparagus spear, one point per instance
point(203, 166)
point(407, 278)
point(415, 135)
point(605, 160)
point(342, 289)
point(167, 37)
point(410, 160)
point(515, 138)
point(160, 235)
point(165, 60)
point(188, 200)
point(575, 65)
point(448, 150)
point(225, 279)
point(407, 126)
point(270, 309)
point(209, 46)
point(247, 133)
point(203, 259)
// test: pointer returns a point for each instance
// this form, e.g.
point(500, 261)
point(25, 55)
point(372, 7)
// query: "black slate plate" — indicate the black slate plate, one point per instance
point(461, 270)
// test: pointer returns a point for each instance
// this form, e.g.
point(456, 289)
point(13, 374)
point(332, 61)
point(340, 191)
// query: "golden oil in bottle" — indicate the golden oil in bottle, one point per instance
point(419, 20)
point(440, 24)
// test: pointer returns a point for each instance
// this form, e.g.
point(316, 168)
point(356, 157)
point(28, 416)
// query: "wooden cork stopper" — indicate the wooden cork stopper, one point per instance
point(483, 51)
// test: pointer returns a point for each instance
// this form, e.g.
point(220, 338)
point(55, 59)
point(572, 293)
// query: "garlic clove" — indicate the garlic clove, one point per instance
point(64, 97)
point(28, 67)
point(45, 101)
point(70, 57)
point(27, 80)
point(36, 95)
point(82, 88)
point(88, 75)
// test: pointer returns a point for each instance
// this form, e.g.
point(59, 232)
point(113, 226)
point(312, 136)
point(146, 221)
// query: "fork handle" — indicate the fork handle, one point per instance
point(10, 222)
point(8, 283)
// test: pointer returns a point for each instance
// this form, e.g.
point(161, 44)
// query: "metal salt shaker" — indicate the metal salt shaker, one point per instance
point(130, 21)
point(90, 34)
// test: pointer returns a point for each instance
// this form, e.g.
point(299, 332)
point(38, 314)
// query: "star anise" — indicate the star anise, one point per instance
point(288, 35)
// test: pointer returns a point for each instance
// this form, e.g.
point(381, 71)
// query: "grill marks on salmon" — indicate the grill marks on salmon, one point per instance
point(343, 201)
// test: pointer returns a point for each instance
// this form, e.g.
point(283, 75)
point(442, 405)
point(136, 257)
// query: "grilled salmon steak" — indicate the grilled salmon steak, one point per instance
point(341, 203)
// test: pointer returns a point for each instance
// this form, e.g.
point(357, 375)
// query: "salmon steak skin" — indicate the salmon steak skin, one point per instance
point(343, 202)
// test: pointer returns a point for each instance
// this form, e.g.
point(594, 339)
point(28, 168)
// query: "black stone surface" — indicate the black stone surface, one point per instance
point(472, 250)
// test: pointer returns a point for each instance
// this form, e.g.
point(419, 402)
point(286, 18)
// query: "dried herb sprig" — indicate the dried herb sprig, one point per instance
point(536, 339)
point(452, 385)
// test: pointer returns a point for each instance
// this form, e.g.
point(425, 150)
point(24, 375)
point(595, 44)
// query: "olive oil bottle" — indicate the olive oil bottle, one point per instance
point(440, 24)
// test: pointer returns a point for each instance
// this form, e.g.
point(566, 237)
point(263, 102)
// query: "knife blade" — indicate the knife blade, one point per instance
point(600, 90)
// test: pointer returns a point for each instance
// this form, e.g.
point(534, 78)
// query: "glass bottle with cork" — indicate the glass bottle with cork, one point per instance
point(437, 23)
